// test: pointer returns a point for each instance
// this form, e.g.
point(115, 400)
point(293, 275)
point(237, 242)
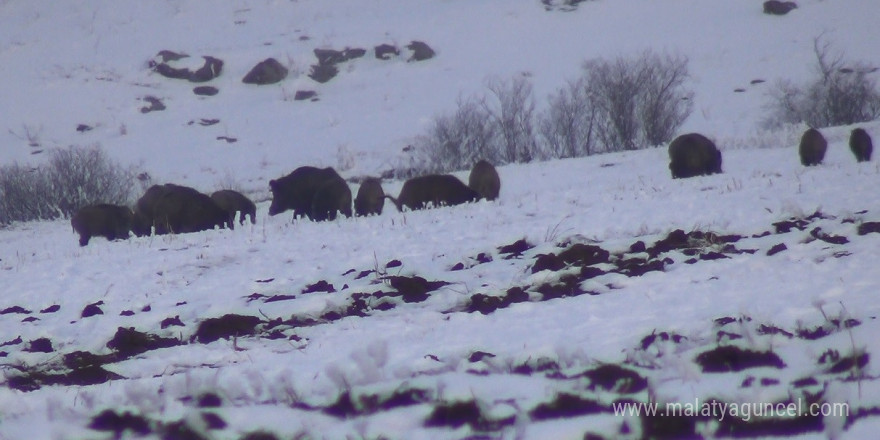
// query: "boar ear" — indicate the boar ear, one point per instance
point(273, 183)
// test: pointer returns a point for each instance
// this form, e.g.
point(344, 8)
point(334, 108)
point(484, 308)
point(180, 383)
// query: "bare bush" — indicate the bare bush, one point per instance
point(73, 178)
point(664, 104)
point(613, 89)
point(84, 176)
point(458, 140)
point(624, 104)
point(567, 127)
point(499, 128)
point(513, 114)
point(641, 101)
point(23, 194)
point(842, 93)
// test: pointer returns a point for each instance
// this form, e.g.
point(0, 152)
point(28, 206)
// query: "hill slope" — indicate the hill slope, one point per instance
point(430, 324)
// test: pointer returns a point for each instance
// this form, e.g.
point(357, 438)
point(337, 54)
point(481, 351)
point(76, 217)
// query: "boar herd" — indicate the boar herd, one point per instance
point(693, 154)
point(163, 209)
point(813, 146)
point(321, 194)
point(318, 194)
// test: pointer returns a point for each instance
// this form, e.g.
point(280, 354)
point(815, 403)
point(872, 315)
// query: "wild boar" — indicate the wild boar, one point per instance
point(234, 202)
point(484, 180)
point(433, 189)
point(812, 148)
point(861, 145)
point(112, 222)
point(312, 192)
point(370, 198)
point(692, 155)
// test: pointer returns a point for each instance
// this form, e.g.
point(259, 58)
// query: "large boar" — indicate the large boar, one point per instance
point(433, 189)
point(103, 220)
point(692, 155)
point(234, 202)
point(144, 211)
point(370, 198)
point(484, 180)
point(331, 198)
point(178, 209)
point(298, 191)
point(812, 148)
point(861, 145)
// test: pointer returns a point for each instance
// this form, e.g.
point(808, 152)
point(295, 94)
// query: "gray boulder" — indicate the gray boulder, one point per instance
point(268, 71)
point(776, 7)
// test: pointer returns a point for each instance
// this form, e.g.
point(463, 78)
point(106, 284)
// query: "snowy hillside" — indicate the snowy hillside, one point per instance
point(591, 283)
point(86, 62)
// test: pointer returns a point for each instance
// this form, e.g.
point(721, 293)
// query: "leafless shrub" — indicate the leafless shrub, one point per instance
point(613, 88)
point(498, 127)
point(567, 127)
point(842, 93)
point(513, 114)
point(640, 101)
point(664, 103)
point(23, 194)
point(624, 104)
point(82, 176)
point(73, 177)
point(458, 140)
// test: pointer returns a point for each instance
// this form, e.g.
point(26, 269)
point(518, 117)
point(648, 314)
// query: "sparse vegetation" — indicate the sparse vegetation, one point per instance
point(622, 104)
point(83, 176)
point(73, 177)
point(640, 102)
point(23, 192)
point(455, 141)
point(842, 92)
point(567, 127)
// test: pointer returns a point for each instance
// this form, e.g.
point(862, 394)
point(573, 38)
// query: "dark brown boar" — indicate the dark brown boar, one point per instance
point(112, 222)
point(298, 190)
point(484, 180)
point(861, 145)
point(370, 198)
point(145, 211)
point(692, 155)
point(812, 148)
point(433, 189)
point(331, 198)
point(234, 202)
point(178, 209)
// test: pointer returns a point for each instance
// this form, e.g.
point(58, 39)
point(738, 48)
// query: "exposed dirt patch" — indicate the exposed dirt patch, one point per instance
point(225, 327)
point(566, 405)
point(414, 288)
point(32, 380)
point(320, 286)
point(458, 414)
point(130, 342)
point(110, 420)
point(868, 228)
point(348, 406)
point(487, 304)
point(731, 358)
point(614, 378)
point(15, 309)
point(515, 249)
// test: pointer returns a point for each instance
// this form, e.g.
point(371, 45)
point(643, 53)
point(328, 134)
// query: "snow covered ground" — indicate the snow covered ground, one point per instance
point(342, 344)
